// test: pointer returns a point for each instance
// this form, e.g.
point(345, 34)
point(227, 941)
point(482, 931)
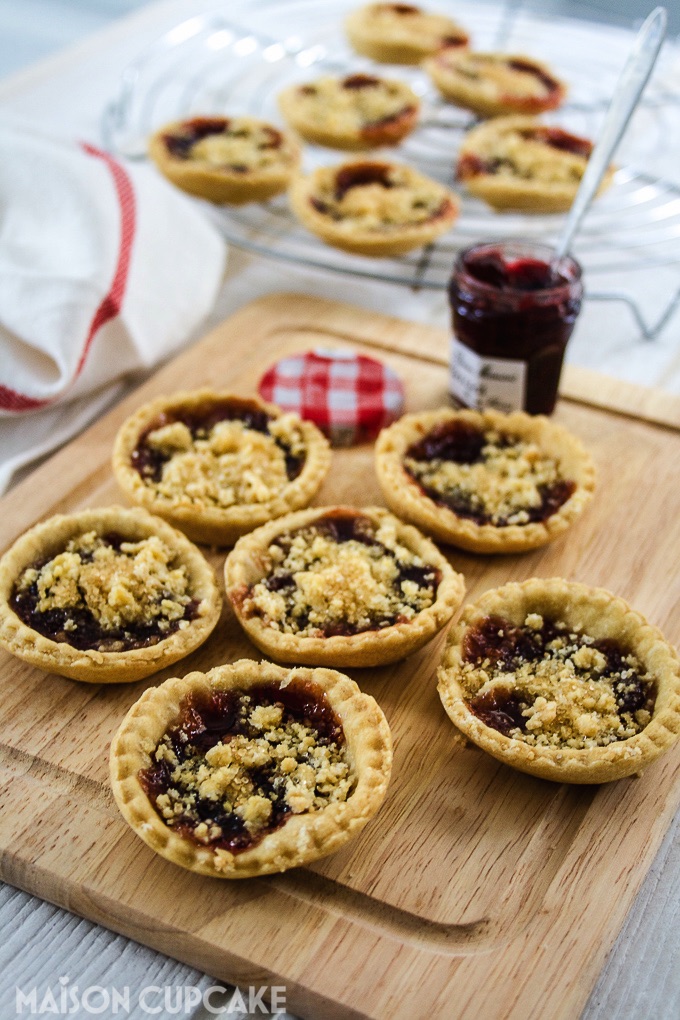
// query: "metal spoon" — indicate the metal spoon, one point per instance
point(629, 88)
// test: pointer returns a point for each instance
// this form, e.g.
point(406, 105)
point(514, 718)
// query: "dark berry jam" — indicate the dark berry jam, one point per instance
point(463, 443)
point(340, 527)
point(360, 81)
point(149, 460)
point(77, 626)
point(210, 718)
point(562, 140)
point(502, 647)
point(358, 174)
point(192, 131)
point(514, 312)
point(528, 67)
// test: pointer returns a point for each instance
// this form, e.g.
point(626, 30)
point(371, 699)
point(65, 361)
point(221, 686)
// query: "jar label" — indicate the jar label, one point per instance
point(480, 382)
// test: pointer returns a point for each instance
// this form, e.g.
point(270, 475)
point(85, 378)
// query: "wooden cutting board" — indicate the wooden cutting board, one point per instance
point(476, 891)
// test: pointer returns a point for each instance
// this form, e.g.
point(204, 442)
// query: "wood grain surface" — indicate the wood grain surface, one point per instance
point(476, 891)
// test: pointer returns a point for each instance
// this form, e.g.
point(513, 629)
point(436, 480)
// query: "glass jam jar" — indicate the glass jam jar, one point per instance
point(513, 313)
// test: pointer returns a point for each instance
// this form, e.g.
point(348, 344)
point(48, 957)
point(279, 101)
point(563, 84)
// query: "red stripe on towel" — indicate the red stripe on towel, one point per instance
point(11, 400)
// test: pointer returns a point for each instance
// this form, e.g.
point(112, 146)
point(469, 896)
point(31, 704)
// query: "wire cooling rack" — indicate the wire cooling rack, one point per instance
point(217, 64)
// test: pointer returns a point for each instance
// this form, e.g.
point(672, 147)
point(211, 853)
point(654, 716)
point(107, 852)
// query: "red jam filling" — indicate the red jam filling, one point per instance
point(508, 647)
point(526, 66)
point(360, 81)
point(519, 308)
point(359, 174)
point(193, 131)
point(463, 443)
point(343, 527)
point(208, 719)
point(149, 460)
point(78, 627)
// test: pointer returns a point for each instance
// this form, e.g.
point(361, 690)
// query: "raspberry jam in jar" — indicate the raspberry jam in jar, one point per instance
point(513, 313)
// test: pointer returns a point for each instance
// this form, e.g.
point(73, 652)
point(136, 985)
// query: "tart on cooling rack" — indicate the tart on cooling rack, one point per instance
point(484, 481)
point(519, 163)
point(562, 681)
point(340, 586)
point(373, 208)
point(251, 768)
point(106, 596)
point(359, 111)
point(217, 465)
point(401, 33)
point(492, 84)
point(225, 159)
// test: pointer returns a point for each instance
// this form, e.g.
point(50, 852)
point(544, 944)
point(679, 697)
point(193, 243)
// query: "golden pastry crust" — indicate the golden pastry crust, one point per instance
point(519, 163)
point(304, 836)
point(545, 454)
point(233, 479)
point(225, 159)
point(493, 84)
point(341, 587)
point(401, 33)
point(359, 111)
point(373, 208)
point(580, 711)
point(117, 593)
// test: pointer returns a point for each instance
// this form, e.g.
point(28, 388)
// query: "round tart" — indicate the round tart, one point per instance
point(359, 111)
point(106, 595)
point(562, 681)
point(225, 159)
point(340, 586)
point(251, 768)
point(216, 465)
point(484, 481)
point(373, 208)
point(519, 163)
point(492, 84)
point(401, 33)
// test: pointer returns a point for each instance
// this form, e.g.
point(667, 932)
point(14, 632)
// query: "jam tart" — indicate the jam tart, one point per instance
point(493, 84)
point(216, 465)
point(401, 33)
point(359, 111)
point(519, 163)
point(562, 681)
point(484, 481)
point(225, 159)
point(106, 596)
point(373, 208)
point(341, 587)
point(251, 768)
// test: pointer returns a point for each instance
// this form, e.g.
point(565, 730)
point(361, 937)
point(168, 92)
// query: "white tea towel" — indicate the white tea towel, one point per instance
point(105, 269)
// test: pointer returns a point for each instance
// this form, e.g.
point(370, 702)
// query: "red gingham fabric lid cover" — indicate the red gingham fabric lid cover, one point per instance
point(349, 396)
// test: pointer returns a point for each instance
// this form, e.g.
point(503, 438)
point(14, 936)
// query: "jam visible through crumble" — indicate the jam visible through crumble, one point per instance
point(239, 763)
point(236, 144)
point(107, 593)
point(379, 196)
point(486, 476)
point(225, 453)
point(375, 108)
point(550, 685)
point(341, 575)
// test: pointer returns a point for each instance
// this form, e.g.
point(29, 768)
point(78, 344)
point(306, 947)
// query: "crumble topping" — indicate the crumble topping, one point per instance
point(226, 464)
point(238, 767)
point(521, 152)
point(329, 578)
point(242, 145)
point(349, 104)
point(498, 76)
point(377, 196)
point(504, 480)
point(551, 685)
point(401, 22)
point(105, 587)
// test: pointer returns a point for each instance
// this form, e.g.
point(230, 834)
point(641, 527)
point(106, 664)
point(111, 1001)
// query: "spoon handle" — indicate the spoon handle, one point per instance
point(627, 93)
